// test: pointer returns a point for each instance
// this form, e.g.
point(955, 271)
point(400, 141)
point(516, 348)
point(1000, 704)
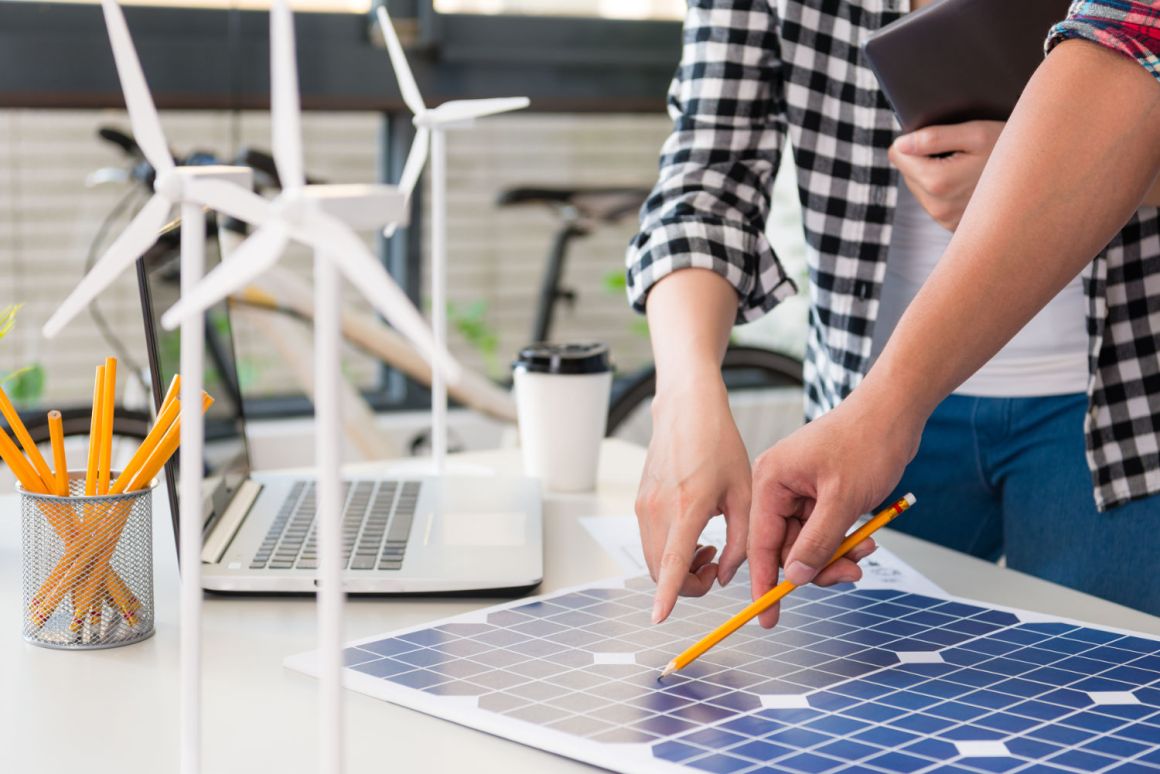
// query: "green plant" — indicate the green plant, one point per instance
point(24, 385)
point(470, 320)
point(616, 283)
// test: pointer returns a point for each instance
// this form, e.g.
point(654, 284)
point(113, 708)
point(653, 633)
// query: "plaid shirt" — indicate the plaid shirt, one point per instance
point(752, 73)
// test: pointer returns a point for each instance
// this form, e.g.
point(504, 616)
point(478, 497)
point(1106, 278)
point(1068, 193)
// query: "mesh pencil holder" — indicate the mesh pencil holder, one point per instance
point(87, 568)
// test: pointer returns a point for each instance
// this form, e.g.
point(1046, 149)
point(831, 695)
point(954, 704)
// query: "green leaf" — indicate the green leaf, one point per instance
point(8, 318)
point(26, 385)
point(615, 281)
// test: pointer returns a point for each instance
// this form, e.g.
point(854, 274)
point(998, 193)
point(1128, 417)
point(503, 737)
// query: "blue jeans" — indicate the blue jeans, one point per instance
point(998, 476)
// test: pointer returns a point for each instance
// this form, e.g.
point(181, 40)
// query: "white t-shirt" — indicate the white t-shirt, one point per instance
point(1048, 357)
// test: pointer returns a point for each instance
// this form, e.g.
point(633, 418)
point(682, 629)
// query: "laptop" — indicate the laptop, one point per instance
point(419, 534)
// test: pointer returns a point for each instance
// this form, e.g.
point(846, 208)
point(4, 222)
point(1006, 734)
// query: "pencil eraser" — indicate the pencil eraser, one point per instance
point(910, 499)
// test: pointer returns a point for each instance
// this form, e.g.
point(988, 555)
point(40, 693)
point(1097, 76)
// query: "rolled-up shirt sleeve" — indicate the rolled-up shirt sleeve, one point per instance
point(1131, 28)
point(710, 204)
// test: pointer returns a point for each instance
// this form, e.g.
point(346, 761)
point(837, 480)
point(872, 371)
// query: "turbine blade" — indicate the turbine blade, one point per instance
point(230, 199)
point(284, 108)
point(412, 171)
point(137, 237)
point(257, 254)
point(469, 109)
point(403, 74)
point(341, 245)
point(142, 112)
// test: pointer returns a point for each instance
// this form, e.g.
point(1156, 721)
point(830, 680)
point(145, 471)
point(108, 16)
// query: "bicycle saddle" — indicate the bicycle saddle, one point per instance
point(605, 204)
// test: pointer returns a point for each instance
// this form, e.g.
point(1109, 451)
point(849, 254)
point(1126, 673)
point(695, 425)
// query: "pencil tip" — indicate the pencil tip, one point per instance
point(668, 670)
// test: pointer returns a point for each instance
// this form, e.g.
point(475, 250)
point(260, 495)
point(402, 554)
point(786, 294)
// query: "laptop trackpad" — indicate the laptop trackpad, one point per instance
point(494, 529)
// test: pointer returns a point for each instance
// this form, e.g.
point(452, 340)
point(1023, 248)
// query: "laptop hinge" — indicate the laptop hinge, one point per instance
point(230, 522)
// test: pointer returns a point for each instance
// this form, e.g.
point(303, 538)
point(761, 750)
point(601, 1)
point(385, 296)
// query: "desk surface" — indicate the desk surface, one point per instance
point(116, 710)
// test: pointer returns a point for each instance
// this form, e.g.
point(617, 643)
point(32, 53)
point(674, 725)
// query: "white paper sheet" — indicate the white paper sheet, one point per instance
point(619, 537)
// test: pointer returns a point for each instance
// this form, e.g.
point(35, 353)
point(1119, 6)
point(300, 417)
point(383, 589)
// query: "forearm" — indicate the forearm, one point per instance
point(690, 316)
point(1076, 159)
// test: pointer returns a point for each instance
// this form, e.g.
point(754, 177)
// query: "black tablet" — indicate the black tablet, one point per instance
point(961, 60)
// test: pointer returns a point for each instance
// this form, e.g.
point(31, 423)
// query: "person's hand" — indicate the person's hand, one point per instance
point(812, 486)
point(943, 183)
point(696, 468)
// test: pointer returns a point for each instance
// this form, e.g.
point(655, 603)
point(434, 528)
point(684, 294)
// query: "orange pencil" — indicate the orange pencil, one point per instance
point(95, 433)
point(43, 472)
point(108, 399)
point(59, 460)
point(771, 597)
point(19, 466)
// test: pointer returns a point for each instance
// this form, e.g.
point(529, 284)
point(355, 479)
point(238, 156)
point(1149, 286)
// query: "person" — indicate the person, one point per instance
point(1010, 446)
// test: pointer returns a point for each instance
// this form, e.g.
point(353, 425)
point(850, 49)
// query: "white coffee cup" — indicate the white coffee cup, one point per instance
point(562, 393)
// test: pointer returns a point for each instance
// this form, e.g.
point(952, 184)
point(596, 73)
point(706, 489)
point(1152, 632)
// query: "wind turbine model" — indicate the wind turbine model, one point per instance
point(322, 217)
point(185, 187)
point(432, 126)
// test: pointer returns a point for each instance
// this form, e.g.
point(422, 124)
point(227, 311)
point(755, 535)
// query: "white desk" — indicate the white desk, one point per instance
point(116, 710)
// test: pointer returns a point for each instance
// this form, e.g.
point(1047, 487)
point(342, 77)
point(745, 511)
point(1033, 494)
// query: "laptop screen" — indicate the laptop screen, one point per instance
point(226, 453)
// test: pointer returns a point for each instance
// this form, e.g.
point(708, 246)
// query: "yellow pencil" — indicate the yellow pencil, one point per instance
point(21, 433)
point(19, 466)
point(59, 460)
point(771, 597)
point(95, 433)
point(108, 398)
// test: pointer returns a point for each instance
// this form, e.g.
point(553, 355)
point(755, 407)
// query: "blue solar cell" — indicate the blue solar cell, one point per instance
point(738, 701)
point(808, 763)
point(1093, 721)
point(1127, 711)
point(992, 646)
point(1138, 678)
point(1036, 655)
point(664, 725)
point(837, 648)
point(423, 658)
point(1001, 617)
point(885, 736)
point(1004, 721)
point(919, 601)
point(876, 657)
point(1117, 748)
point(1139, 645)
point(788, 715)
point(798, 738)
point(837, 725)
point(1067, 698)
point(1031, 748)
point(1060, 734)
point(830, 701)
point(899, 628)
point(1052, 676)
point(753, 725)
point(858, 619)
point(713, 738)
point(1078, 759)
point(675, 751)
point(1085, 666)
point(889, 610)
point(420, 678)
point(874, 712)
point(862, 689)
point(957, 609)
point(970, 626)
point(389, 647)
point(1102, 684)
point(976, 677)
point(921, 723)
point(1151, 663)
point(353, 656)
point(908, 700)
point(954, 710)
point(719, 763)
point(1043, 768)
point(963, 656)
point(989, 699)
point(900, 762)
point(1021, 688)
point(702, 713)
point(829, 628)
point(944, 637)
point(1054, 629)
point(868, 637)
point(943, 689)
point(895, 678)
point(1040, 710)
point(928, 618)
point(932, 748)
point(383, 668)
point(1020, 635)
point(1006, 666)
point(761, 751)
point(848, 667)
point(848, 750)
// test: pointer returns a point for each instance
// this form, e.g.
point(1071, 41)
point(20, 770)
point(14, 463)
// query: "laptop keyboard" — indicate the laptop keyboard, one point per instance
point(376, 525)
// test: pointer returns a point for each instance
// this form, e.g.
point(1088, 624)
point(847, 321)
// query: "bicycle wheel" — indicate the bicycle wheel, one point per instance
point(765, 395)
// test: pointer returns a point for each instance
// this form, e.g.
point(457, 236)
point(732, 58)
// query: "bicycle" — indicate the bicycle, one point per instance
point(745, 369)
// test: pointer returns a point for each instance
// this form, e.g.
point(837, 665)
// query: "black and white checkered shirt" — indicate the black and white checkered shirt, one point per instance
point(754, 72)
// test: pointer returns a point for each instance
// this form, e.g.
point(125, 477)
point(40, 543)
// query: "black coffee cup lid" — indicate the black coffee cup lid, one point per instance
point(591, 358)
